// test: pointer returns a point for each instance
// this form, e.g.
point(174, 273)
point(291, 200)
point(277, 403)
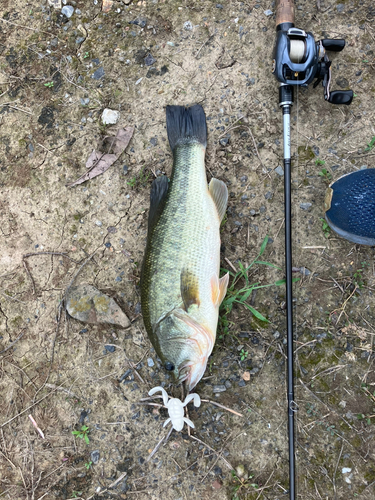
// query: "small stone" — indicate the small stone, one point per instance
point(99, 73)
point(276, 335)
point(154, 141)
point(340, 7)
point(241, 383)
point(246, 376)
point(67, 11)
point(149, 60)
point(224, 141)
point(150, 362)
point(98, 223)
point(304, 271)
point(219, 6)
point(110, 348)
point(305, 206)
point(95, 455)
point(279, 170)
point(110, 116)
point(346, 470)
point(188, 25)
point(268, 195)
point(342, 82)
point(85, 101)
point(219, 388)
point(268, 12)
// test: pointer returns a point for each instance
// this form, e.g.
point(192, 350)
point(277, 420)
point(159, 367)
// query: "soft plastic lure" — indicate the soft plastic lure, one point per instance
point(176, 408)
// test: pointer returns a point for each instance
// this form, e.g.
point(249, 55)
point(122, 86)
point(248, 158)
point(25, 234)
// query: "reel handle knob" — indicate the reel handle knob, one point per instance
point(340, 96)
point(334, 45)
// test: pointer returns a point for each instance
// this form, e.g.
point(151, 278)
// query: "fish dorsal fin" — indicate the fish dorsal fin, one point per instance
point(158, 193)
point(219, 193)
point(189, 289)
point(219, 288)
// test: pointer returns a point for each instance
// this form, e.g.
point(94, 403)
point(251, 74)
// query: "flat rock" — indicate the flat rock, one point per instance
point(89, 305)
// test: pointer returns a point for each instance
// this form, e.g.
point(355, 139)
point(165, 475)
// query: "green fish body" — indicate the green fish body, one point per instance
point(180, 287)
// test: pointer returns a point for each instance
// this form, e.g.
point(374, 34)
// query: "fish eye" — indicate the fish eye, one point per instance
point(169, 366)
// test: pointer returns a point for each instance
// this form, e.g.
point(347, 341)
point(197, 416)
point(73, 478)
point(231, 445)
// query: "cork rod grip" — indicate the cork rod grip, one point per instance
point(284, 11)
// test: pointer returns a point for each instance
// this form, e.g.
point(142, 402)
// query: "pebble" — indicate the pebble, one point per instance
point(305, 206)
point(99, 73)
point(188, 25)
point(110, 348)
point(224, 141)
point(150, 362)
point(95, 455)
point(149, 60)
point(279, 170)
point(342, 82)
point(277, 335)
point(110, 116)
point(85, 101)
point(98, 223)
point(67, 11)
point(219, 388)
point(268, 12)
point(125, 375)
point(340, 7)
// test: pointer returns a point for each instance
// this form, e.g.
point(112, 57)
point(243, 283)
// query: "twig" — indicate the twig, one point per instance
point(14, 341)
point(166, 437)
point(205, 43)
point(36, 426)
point(214, 451)
point(117, 480)
point(221, 406)
point(28, 408)
point(330, 370)
point(50, 253)
point(231, 265)
point(325, 404)
point(29, 274)
point(334, 474)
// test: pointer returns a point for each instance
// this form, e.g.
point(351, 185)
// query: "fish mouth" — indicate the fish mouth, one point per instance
point(191, 373)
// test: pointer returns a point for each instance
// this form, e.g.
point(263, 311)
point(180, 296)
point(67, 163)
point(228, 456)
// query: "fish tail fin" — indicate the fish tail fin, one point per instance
point(186, 125)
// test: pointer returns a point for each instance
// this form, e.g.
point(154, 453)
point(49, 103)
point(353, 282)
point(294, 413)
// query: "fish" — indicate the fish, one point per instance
point(181, 288)
point(349, 206)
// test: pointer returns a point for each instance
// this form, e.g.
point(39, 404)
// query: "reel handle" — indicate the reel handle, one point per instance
point(340, 97)
point(284, 12)
point(333, 45)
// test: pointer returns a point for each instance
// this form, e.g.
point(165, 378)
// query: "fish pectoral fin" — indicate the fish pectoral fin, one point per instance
point(159, 189)
point(189, 289)
point(219, 193)
point(219, 288)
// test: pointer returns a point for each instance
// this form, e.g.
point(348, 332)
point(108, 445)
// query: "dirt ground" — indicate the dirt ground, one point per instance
point(57, 75)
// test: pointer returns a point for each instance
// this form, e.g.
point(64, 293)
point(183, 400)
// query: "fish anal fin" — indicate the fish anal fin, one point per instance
point(158, 194)
point(189, 289)
point(219, 288)
point(219, 193)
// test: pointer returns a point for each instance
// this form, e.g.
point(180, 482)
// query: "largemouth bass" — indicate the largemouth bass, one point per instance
point(180, 286)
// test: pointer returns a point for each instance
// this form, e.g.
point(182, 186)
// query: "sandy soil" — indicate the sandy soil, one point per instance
point(56, 77)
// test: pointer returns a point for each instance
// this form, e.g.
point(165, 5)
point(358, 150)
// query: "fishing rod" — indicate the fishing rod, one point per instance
point(298, 60)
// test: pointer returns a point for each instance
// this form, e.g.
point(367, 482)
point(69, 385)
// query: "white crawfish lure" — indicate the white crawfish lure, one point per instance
point(176, 408)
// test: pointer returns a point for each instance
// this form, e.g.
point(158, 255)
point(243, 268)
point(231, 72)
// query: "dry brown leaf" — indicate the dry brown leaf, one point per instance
point(98, 162)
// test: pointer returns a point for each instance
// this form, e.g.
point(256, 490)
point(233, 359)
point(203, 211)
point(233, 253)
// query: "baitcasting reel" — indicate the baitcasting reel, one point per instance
point(298, 59)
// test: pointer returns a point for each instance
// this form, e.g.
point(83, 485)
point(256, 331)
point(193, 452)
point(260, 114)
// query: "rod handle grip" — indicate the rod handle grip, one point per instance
point(284, 11)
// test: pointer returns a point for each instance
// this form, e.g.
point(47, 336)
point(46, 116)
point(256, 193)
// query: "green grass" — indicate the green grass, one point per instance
point(371, 144)
point(324, 173)
point(83, 433)
point(325, 227)
point(240, 290)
